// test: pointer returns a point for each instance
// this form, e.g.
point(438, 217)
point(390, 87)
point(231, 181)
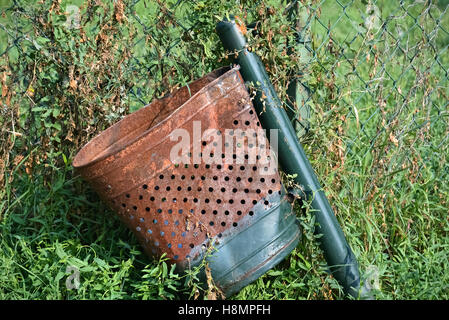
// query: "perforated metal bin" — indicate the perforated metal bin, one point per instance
point(184, 203)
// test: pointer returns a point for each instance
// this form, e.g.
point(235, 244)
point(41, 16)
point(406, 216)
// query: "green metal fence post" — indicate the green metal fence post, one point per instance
point(339, 256)
point(298, 109)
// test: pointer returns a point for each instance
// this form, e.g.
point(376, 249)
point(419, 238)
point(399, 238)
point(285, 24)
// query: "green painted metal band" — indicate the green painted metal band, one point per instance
point(262, 241)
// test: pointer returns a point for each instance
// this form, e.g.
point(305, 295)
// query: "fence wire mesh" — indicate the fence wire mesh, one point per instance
point(371, 106)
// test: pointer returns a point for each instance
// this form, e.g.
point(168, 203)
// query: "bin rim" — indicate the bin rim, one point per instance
point(82, 160)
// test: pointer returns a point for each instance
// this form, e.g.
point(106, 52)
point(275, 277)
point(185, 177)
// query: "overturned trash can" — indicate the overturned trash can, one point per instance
point(194, 176)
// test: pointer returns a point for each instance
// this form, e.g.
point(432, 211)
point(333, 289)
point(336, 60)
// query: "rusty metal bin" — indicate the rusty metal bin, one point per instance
point(161, 170)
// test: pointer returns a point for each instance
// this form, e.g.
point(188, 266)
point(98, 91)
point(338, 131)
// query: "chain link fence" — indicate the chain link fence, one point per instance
point(370, 100)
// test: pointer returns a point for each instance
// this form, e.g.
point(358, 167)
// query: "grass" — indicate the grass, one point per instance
point(378, 142)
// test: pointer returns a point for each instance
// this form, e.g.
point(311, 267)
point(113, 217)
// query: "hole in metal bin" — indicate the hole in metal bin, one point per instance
point(179, 188)
point(203, 178)
point(189, 188)
point(250, 179)
point(145, 186)
point(176, 257)
point(270, 191)
point(219, 166)
point(207, 166)
point(207, 200)
point(247, 122)
point(172, 176)
point(161, 176)
point(192, 177)
point(199, 189)
point(251, 112)
point(258, 191)
point(251, 213)
point(226, 178)
point(273, 180)
point(180, 245)
point(215, 212)
point(211, 223)
point(246, 190)
point(156, 188)
point(123, 205)
point(204, 143)
point(159, 210)
point(266, 202)
point(162, 233)
point(218, 201)
point(168, 188)
point(223, 223)
point(231, 201)
point(226, 212)
point(234, 190)
point(203, 211)
point(169, 245)
point(242, 168)
point(156, 243)
point(135, 207)
point(184, 200)
point(127, 195)
point(220, 235)
point(254, 201)
point(262, 180)
point(164, 199)
point(242, 201)
point(142, 219)
point(170, 211)
point(152, 198)
point(231, 167)
point(191, 245)
point(180, 211)
point(140, 197)
point(196, 166)
point(138, 228)
point(154, 221)
point(239, 212)
point(176, 223)
point(215, 178)
point(235, 224)
point(173, 234)
point(183, 177)
point(147, 209)
point(195, 200)
point(149, 231)
point(211, 189)
point(238, 179)
point(223, 189)
point(236, 122)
